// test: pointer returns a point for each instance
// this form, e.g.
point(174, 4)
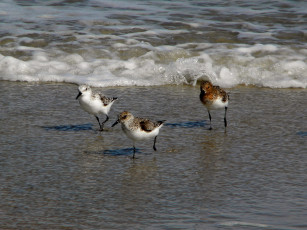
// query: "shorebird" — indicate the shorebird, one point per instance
point(213, 97)
point(138, 129)
point(95, 103)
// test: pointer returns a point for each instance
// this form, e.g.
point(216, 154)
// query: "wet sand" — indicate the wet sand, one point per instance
point(59, 172)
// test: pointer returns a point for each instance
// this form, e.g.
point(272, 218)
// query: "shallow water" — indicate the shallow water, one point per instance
point(58, 171)
point(124, 43)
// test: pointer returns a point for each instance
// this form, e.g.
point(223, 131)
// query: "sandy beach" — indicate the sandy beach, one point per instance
point(59, 172)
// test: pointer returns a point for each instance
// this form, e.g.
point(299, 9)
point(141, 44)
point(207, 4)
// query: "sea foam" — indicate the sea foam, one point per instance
point(163, 65)
point(109, 43)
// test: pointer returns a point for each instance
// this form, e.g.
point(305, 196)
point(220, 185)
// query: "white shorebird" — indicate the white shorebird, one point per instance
point(95, 103)
point(138, 129)
point(213, 97)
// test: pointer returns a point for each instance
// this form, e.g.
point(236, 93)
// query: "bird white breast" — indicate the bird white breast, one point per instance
point(217, 104)
point(138, 134)
point(92, 106)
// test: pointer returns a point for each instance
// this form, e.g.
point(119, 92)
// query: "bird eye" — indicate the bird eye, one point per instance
point(125, 116)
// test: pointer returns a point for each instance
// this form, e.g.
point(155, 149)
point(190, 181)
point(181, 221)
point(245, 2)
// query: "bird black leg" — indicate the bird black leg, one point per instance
point(154, 145)
point(210, 120)
point(134, 150)
point(225, 121)
point(101, 127)
point(102, 124)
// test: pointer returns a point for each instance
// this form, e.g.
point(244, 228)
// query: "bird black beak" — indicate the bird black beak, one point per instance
point(116, 122)
point(79, 94)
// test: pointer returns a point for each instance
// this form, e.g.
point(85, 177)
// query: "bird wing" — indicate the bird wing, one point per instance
point(106, 100)
point(147, 125)
point(222, 93)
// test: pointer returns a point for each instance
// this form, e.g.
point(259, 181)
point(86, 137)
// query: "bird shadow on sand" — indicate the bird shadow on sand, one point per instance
point(121, 152)
point(115, 152)
point(89, 126)
point(81, 127)
point(187, 124)
point(302, 134)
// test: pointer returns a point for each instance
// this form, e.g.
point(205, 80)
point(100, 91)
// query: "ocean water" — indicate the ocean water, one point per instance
point(144, 43)
point(58, 172)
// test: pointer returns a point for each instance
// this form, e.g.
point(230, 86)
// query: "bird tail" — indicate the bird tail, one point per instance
point(161, 122)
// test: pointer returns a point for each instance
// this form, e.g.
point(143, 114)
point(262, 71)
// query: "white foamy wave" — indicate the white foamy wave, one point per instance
point(240, 223)
point(249, 224)
point(124, 43)
point(259, 65)
point(253, 225)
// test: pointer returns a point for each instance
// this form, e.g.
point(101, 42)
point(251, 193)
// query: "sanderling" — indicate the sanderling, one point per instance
point(213, 97)
point(139, 128)
point(95, 103)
